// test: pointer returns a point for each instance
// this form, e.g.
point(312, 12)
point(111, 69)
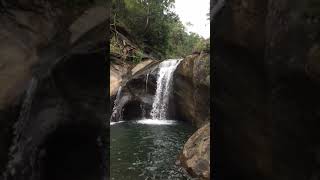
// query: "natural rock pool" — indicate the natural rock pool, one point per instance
point(147, 149)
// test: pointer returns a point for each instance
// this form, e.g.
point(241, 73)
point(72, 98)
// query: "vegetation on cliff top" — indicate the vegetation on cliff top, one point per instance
point(156, 28)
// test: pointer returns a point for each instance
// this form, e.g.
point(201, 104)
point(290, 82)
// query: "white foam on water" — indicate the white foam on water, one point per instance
point(156, 122)
point(113, 123)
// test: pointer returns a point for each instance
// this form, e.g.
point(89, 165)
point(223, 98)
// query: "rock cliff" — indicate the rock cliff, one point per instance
point(192, 89)
point(53, 71)
point(266, 89)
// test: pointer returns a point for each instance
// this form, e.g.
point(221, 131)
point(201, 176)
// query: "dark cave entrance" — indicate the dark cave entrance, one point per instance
point(72, 153)
point(132, 111)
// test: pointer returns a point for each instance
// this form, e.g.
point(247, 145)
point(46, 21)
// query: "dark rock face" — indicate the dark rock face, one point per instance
point(192, 103)
point(71, 152)
point(69, 96)
point(248, 18)
point(192, 89)
point(67, 119)
point(137, 93)
point(266, 90)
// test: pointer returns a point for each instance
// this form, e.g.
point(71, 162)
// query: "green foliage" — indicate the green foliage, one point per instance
point(202, 45)
point(137, 57)
point(207, 65)
point(153, 23)
point(114, 46)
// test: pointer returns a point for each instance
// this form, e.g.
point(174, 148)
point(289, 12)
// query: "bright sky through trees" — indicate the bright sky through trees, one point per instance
point(195, 12)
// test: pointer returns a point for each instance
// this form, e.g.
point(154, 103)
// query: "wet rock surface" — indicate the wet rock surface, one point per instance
point(118, 71)
point(123, 71)
point(138, 88)
point(191, 89)
point(195, 156)
point(63, 109)
point(68, 86)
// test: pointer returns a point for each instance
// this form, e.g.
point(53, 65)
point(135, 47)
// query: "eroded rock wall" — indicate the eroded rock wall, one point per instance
point(191, 89)
point(36, 36)
point(266, 89)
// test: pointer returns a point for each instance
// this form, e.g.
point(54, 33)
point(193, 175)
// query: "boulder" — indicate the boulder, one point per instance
point(195, 157)
point(191, 89)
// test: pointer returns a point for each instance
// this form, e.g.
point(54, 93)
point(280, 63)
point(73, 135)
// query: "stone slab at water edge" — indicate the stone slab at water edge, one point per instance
point(195, 157)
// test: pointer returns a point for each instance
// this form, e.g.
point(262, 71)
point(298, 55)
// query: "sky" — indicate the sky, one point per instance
point(195, 12)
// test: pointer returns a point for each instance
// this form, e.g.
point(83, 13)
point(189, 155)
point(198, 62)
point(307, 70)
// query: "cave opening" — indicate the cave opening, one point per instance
point(132, 110)
point(71, 152)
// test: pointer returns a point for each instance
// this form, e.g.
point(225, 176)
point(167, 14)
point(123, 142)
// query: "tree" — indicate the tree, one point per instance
point(154, 25)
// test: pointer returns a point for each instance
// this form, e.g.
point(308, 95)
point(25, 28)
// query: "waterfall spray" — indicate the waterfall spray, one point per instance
point(18, 144)
point(116, 111)
point(143, 110)
point(147, 82)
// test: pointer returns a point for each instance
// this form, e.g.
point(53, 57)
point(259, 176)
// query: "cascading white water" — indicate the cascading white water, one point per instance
point(143, 109)
point(116, 111)
point(147, 82)
point(18, 143)
point(26, 106)
point(164, 81)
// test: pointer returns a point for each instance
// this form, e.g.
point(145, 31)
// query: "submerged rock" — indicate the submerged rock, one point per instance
point(195, 157)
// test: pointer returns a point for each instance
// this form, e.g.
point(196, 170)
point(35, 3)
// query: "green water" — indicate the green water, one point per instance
point(147, 151)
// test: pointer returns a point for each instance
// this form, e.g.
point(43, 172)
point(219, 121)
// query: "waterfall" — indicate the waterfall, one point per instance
point(26, 106)
point(143, 109)
point(16, 149)
point(164, 82)
point(147, 82)
point(116, 111)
